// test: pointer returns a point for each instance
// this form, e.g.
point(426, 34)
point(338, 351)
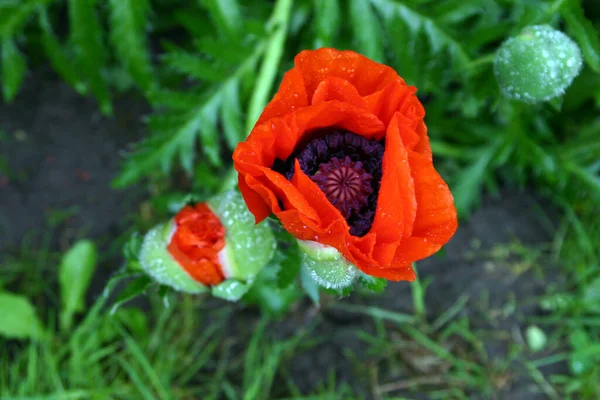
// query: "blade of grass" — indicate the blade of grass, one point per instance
point(376, 312)
point(143, 362)
point(450, 313)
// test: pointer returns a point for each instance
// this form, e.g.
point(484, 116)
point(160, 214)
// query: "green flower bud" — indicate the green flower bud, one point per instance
point(250, 246)
point(157, 262)
point(537, 65)
point(326, 266)
point(209, 246)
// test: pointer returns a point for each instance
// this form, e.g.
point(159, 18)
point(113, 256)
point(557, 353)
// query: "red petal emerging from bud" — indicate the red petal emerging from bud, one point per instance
point(196, 242)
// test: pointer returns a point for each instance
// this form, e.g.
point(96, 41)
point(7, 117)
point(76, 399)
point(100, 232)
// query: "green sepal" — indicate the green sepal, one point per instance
point(330, 274)
point(250, 246)
point(158, 263)
point(372, 283)
point(231, 289)
point(319, 252)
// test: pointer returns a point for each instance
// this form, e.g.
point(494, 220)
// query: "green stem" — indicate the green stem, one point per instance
point(268, 72)
point(418, 296)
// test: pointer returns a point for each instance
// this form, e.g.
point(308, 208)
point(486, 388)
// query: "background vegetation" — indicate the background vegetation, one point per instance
point(207, 68)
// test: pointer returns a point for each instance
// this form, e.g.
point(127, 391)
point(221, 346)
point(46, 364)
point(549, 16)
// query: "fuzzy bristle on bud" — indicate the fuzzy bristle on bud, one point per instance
point(249, 246)
point(326, 266)
point(157, 262)
point(537, 65)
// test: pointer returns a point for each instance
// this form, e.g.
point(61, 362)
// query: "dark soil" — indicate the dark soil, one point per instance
point(60, 156)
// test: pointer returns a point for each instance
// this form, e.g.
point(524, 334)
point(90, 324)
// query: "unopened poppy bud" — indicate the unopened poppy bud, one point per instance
point(537, 65)
point(326, 265)
point(213, 245)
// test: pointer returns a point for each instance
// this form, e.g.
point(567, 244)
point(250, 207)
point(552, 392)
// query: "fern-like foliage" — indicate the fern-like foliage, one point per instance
point(220, 70)
point(83, 60)
point(87, 38)
point(128, 20)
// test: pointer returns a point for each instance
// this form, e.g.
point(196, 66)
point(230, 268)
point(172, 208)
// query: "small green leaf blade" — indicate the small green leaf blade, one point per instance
point(133, 289)
point(310, 287)
point(231, 115)
point(14, 68)
point(584, 32)
point(194, 66)
point(57, 57)
point(327, 22)
point(128, 20)
point(367, 30)
point(289, 266)
point(467, 189)
point(372, 283)
point(86, 36)
point(227, 16)
point(75, 275)
point(18, 319)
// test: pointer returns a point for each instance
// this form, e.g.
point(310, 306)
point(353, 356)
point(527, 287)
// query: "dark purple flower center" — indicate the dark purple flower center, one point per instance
point(347, 168)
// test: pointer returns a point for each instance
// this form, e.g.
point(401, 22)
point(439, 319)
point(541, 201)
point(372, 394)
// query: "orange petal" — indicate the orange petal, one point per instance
point(338, 114)
point(366, 75)
point(400, 272)
point(290, 96)
point(386, 102)
point(255, 197)
point(436, 219)
point(396, 203)
point(334, 88)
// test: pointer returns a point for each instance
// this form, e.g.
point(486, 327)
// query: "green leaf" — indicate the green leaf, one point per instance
point(161, 148)
point(265, 293)
point(75, 274)
point(310, 287)
point(327, 22)
point(591, 296)
point(134, 288)
point(367, 29)
point(175, 132)
point(399, 36)
point(372, 283)
point(584, 32)
point(15, 14)
point(56, 54)
point(467, 189)
point(131, 251)
point(128, 19)
point(231, 115)
point(86, 35)
point(194, 66)
point(580, 361)
point(415, 23)
point(18, 319)
point(289, 265)
point(13, 69)
point(227, 16)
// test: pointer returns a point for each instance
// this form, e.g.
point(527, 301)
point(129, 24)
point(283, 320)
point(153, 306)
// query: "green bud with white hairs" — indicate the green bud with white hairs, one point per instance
point(326, 265)
point(537, 65)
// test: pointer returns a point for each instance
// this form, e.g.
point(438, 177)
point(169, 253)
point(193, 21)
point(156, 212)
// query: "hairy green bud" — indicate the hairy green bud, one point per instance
point(537, 65)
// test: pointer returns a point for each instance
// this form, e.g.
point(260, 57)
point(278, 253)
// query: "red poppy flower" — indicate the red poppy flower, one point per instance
point(341, 156)
point(198, 238)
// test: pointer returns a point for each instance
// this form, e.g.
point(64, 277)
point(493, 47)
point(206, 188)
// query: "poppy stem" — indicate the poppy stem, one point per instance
point(278, 22)
point(418, 295)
